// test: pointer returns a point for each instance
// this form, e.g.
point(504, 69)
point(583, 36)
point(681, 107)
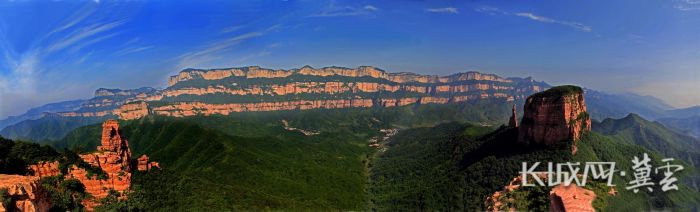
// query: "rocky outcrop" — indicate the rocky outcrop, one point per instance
point(555, 115)
point(24, 193)
point(144, 164)
point(44, 169)
point(113, 157)
point(513, 121)
point(571, 198)
point(562, 198)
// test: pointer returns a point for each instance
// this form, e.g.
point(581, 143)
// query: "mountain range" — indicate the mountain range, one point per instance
point(452, 156)
point(224, 91)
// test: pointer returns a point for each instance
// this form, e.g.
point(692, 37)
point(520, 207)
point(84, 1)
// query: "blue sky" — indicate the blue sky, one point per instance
point(61, 50)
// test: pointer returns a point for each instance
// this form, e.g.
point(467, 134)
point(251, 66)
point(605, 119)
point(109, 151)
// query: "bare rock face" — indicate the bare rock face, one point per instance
point(298, 89)
point(513, 121)
point(571, 198)
point(25, 193)
point(113, 157)
point(45, 169)
point(134, 110)
point(145, 165)
point(555, 115)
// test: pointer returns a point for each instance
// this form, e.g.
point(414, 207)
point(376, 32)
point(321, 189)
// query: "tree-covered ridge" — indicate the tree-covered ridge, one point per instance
point(207, 169)
point(442, 168)
point(16, 156)
point(47, 128)
point(249, 161)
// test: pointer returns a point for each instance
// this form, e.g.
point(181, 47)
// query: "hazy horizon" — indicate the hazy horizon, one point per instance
point(57, 51)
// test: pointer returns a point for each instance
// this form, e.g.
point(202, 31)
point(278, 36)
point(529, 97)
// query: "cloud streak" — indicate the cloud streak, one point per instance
point(132, 50)
point(535, 17)
point(231, 29)
point(24, 70)
point(81, 34)
point(687, 5)
point(211, 51)
point(447, 10)
point(334, 11)
point(575, 25)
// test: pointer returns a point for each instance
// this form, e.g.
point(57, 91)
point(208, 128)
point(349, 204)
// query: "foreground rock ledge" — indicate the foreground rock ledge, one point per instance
point(25, 193)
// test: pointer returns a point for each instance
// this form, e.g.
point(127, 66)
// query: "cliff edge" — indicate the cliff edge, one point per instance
point(555, 115)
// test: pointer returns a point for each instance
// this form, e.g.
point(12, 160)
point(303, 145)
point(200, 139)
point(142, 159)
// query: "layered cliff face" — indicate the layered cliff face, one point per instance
point(225, 91)
point(557, 114)
point(24, 193)
point(362, 71)
point(106, 101)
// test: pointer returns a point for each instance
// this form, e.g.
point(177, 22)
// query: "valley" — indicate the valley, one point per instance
point(429, 157)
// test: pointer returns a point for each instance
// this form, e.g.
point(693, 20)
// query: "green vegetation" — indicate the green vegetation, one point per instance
point(441, 168)
point(248, 161)
point(212, 170)
point(654, 136)
point(65, 194)
point(596, 147)
point(15, 156)
point(47, 128)
point(5, 197)
point(448, 167)
point(688, 125)
point(532, 198)
point(557, 91)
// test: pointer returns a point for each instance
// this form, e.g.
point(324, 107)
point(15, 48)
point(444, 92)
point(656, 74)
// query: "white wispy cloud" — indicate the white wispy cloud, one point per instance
point(264, 52)
point(496, 11)
point(575, 25)
point(24, 70)
point(449, 10)
point(74, 19)
point(687, 5)
point(231, 29)
point(83, 44)
point(132, 50)
point(83, 33)
point(370, 8)
point(212, 51)
point(84, 58)
point(334, 11)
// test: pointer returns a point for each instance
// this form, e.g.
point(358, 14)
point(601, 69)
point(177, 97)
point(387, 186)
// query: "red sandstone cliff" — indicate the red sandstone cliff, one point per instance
point(113, 156)
point(182, 109)
point(25, 192)
point(555, 115)
point(362, 71)
point(336, 85)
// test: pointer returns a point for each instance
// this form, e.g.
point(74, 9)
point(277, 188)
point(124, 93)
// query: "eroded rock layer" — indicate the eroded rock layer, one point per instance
point(24, 192)
point(225, 91)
